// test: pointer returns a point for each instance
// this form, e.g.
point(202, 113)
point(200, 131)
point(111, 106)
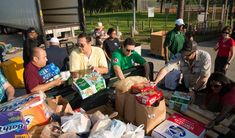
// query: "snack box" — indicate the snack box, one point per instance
point(142, 87)
point(49, 71)
point(149, 98)
point(12, 125)
point(90, 84)
point(179, 126)
point(33, 108)
point(181, 99)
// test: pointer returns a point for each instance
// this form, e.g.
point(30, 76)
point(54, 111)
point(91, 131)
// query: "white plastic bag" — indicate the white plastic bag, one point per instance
point(117, 128)
point(80, 123)
point(133, 131)
point(101, 125)
point(103, 134)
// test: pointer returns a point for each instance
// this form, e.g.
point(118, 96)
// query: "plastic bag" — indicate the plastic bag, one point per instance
point(103, 134)
point(133, 131)
point(96, 116)
point(117, 128)
point(100, 125)
point(79, 123)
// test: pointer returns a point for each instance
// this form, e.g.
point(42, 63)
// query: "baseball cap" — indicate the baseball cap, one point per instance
point(54, 40)
point(179, 22)
point(190, 46)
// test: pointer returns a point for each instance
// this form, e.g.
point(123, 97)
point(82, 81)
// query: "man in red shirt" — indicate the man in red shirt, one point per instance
point(33, 81)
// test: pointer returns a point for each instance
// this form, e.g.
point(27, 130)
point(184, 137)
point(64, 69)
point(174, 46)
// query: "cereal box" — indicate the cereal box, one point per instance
point(90, 84)
point(179, 126)
point(12, 125)
point(149, 98)
point(142, 87)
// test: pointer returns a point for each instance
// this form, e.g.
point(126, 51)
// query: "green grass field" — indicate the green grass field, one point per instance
point(144, 25)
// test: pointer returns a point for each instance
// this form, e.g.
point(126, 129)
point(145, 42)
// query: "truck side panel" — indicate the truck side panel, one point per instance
point(20, 14)
point(60, 11)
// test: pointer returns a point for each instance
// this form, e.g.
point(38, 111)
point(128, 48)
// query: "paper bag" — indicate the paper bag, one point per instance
point(150, 116)
point(122, 87)
point(60, 105)
point(129, 110)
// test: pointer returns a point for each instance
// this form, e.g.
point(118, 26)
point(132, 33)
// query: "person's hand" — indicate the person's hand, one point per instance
point(192, 94)
point(210, 125)
point(226, 67)
point(58, 82)
point(10, 98)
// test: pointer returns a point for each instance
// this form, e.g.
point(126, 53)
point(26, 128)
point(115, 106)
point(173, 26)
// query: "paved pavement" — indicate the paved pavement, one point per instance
point(16, 40)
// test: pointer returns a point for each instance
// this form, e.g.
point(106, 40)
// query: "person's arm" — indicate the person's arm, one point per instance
point(225, 111)
point(10, 91)
point(101, 70)
point(147, 70)
point(216, 47)
point(118, 72)
point(2, 43)
point(162, 73)
point(201, 82)
point(232, 53)
point(47, 86)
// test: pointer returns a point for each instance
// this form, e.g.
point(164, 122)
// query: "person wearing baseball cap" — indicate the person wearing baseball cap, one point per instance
point(194, 65)
point(52, 54)
point(174, 40)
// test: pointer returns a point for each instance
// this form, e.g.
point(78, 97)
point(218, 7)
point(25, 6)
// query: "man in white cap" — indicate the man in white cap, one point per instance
point(57, 55)
point(99, 34)
point(174, 40)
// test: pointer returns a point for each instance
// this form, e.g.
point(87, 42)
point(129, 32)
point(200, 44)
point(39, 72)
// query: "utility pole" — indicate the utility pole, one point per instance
point(180, 10)
point(162, 1)
point(81, 16)
point(133, 29)
point(205, 15)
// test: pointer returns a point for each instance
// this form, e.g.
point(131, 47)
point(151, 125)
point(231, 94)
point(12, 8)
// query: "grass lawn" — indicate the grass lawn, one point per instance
point(144, 25)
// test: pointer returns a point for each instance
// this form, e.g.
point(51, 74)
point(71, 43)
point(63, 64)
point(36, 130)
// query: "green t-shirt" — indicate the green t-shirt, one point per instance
point(174, 41)
point(126, 62)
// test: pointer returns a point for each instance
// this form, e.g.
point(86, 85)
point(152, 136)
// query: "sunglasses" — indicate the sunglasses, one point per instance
point(80, 45)
point(225, 32)
point(188, 55)
point(215, 85)
point(128, 50)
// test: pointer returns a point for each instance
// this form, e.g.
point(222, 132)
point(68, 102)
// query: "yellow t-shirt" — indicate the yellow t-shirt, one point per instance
point(78, 62)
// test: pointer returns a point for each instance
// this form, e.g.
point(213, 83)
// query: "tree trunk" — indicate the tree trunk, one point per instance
point(180, 9)
point(162, 1)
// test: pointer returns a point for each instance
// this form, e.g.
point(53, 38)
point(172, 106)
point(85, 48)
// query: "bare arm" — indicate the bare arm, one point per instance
point(47, 86)
point(118, 72)
point(147, 70)
point(10, 91)
point(201, 81)
point(106, 55)
point(101, 70)
point(162, 73)
point(216, 47)
point(232, 51)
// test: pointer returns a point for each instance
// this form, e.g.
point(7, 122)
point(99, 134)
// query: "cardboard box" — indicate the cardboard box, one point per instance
point(90, 84)
point(179, 126)
point(33, 108)
point(157, 41)
point(49, 71)
point(181, 99)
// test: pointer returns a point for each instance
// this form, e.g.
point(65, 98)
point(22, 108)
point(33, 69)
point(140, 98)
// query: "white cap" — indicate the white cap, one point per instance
point(54, 40)
point(179, 22)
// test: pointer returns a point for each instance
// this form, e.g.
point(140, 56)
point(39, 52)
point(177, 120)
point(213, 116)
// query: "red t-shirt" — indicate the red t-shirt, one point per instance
point(224, 47)
point(31, 77)
point(229, 98)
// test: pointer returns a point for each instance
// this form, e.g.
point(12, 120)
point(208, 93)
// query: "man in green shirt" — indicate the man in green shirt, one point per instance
point(174, 40)
point(125, 59)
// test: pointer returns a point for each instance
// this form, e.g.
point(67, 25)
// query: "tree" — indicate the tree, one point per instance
point(180, 9)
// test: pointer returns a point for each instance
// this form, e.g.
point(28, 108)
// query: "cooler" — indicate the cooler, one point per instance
point(13, 70)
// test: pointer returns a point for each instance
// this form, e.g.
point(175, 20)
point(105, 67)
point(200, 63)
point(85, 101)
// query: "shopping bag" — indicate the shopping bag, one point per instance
point(133, 131)
point(150, 116)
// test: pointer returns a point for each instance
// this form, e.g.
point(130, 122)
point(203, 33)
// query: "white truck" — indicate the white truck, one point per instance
point(59, 18)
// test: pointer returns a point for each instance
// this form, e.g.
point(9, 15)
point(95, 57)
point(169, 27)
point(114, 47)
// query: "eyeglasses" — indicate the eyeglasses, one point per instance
point(188, 55)
point(225, 32)
point(215, 85)
point(128, 50)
